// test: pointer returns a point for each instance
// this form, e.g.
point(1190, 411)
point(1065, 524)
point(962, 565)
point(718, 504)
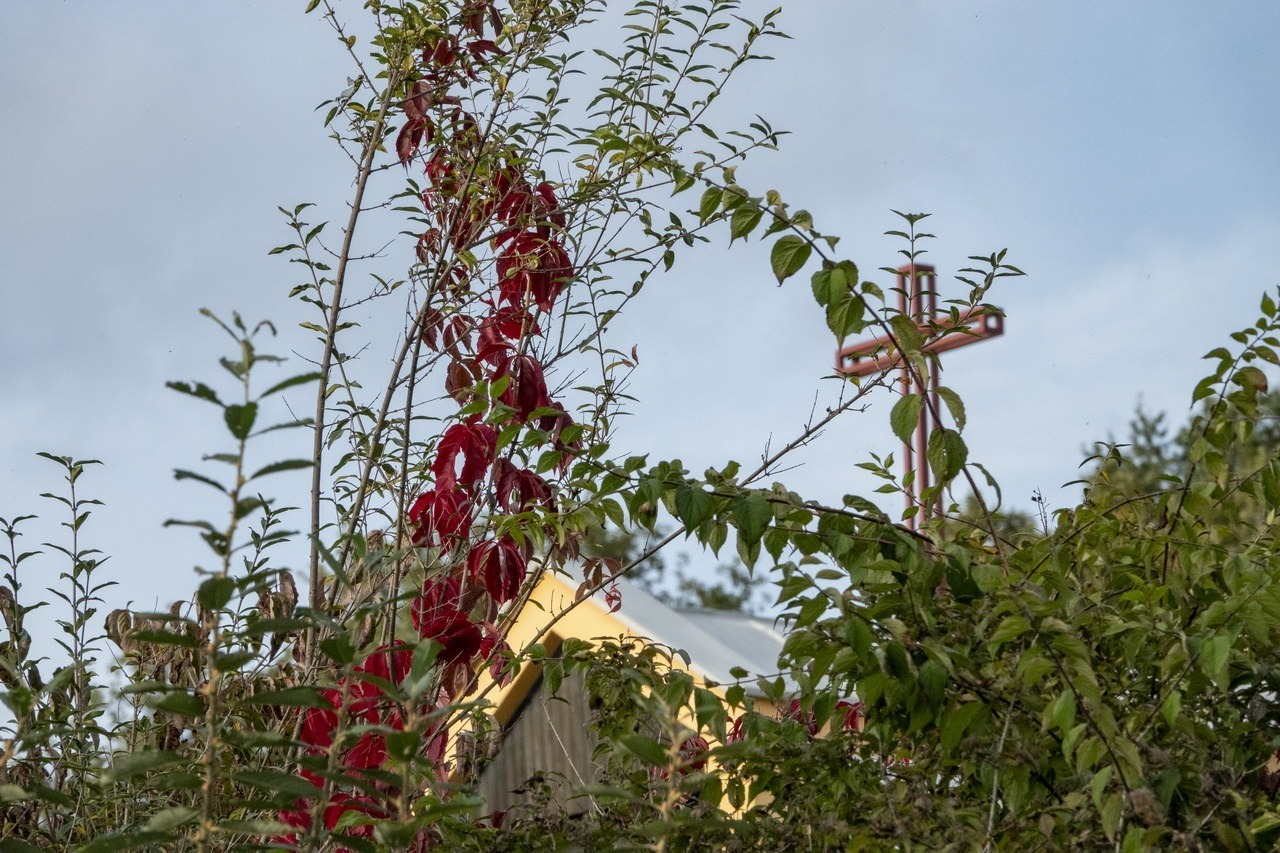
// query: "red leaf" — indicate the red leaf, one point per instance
point(854, 714)
point(735, 733)
point(370, 752)
point(527, 390)
point(421, 97)
point(428, 245)
point(408, 139)
point(475, 444)
point(480, 47)
point(318, 725)
point(442, 53)
point(440, 517)
point(795, 710)
point(533, 269)
point(693, 751)
point(550, 208)
point(473, 16)
point(340, 804)
point(500, 566)
point(525, 486)
point(460, 379)
point(492, 346)
point(437, 614)
point(512, 323)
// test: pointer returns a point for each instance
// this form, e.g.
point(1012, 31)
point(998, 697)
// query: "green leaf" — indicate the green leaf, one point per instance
point(300, 379)
point(789, 254)
point(1063, 711)
point(198, 390)
point(232, 661)
point(1010, 628)
point(907, 333)
point(297, 697)
point(1251, 379)
point(167, 819)
point(166, 638)
point(1214, 655)
point(285, 784)
point(240, 419)
point(646, 749)
point(126, 765)
point(183, 474)
point(214, 593)
point(744, 220)
point(1112, 810)
point(933, 678)
point(844, 315)
point(1265, 822)
point(956, 723)
point(906, 416)
point(947, 454)
point(821, 282)
point(181, 702)
point(10, 793)
point(284, 465)
point(1098, 784)
point(339, 649)
point(693, 506)
point(954, 405)
point(710, 204)
point(1171, 707)
point(751, 513)
point(126, 841)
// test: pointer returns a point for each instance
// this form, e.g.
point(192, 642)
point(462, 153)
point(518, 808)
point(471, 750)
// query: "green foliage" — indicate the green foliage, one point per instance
point(1107, 682)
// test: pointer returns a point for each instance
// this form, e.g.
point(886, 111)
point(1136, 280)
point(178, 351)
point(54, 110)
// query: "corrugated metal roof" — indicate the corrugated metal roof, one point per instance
point(715, 640)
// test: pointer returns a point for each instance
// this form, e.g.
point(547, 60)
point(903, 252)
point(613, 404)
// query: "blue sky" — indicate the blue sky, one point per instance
point(1125, 154)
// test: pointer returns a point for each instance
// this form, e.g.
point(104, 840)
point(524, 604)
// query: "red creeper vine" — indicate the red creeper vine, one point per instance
point(473, 198)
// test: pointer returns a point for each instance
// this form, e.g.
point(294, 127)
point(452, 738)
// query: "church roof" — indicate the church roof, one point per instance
point(716, 641)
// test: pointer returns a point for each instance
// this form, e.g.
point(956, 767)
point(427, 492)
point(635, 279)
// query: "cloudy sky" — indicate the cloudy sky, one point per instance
point(1124, 153)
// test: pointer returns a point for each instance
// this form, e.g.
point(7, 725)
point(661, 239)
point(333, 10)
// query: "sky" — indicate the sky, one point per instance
point(1124, 154)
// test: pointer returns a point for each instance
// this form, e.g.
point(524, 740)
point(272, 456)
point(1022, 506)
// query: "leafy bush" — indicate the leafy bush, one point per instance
point(1106, 684)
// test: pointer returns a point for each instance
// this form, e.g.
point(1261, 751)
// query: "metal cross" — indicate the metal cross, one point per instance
point(918, 299)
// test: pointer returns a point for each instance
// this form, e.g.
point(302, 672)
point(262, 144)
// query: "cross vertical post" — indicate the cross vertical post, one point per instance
point(918, 299)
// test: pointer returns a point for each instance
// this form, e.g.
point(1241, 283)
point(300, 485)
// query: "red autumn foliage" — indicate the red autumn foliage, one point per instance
point(442, 53)
point(479, 48)
point(512, 323)
point(533, 269)
point(474, 13)
point(319, 724)
point(411, 137)
point(693, 752)
point(499, 565)
point(516, 489)
point(441, 516)
point(795, 710)
point(522, 207)
point(474, 443)
point(494, 649)
point(460, 379)
point(468, 200)
point(526, 390)
point(438, 613)
point(735, 733)
point(446, 332)
point(855, 713)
